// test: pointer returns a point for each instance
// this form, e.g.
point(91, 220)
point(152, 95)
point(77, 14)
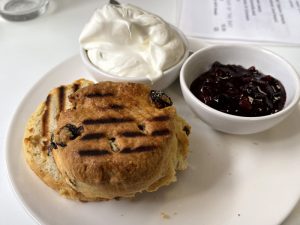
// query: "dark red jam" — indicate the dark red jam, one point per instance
point(238, 91)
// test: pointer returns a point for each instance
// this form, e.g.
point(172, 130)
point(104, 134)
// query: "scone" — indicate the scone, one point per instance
point(40, 126)
point(95, 142)
point(119, 139)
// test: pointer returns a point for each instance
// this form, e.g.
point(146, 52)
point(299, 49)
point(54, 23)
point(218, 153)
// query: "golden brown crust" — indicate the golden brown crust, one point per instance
point(115, 142)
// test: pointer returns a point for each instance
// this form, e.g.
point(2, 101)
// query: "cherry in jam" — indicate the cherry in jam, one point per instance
point(238, 91)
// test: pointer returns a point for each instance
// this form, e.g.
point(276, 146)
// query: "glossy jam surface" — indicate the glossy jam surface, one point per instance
point(238, 91)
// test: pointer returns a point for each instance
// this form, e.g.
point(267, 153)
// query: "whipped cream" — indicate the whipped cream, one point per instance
point(127, 41)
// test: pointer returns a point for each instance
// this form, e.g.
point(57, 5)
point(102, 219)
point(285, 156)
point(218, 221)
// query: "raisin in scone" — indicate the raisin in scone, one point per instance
point(119, 139)
point(37, 138)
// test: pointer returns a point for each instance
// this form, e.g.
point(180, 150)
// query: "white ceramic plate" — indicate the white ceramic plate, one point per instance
point(231, 179)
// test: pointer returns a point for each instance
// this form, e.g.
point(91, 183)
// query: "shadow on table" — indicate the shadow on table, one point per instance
point(294, 216)
point(209, 162)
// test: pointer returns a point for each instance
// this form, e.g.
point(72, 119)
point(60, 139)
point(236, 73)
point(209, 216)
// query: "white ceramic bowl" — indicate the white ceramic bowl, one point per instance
point(265, 61)
point(168, 77)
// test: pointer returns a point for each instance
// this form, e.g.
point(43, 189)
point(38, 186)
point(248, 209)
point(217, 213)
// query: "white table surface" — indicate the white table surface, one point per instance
point(29, 49)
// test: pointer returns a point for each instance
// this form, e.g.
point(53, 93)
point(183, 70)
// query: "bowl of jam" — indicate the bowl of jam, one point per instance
point(239, 89)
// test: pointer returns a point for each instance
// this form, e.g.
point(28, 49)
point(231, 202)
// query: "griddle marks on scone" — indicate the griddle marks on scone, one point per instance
point(45, 118)
point(93, 152)
point(107, 120)
point(162, 132)
point(61, 98)
point(159, 118)
point(132, 134)
point(115, 106)
point(45, 122)
point(76, 86)
point(92, 136)
point(143, 148)
point(99, 95)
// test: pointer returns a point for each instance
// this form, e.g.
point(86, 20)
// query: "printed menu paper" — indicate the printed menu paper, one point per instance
point(244, 20)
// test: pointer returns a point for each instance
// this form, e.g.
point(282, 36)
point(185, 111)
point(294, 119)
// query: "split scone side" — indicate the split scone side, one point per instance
point(37, 138)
